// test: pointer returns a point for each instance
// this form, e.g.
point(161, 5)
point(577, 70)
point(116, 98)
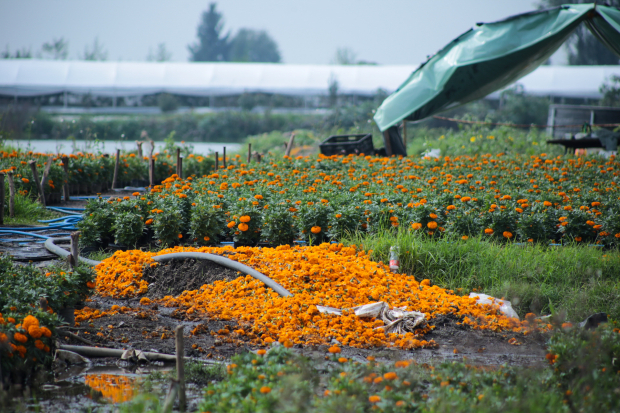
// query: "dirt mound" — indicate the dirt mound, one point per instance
point(175, 276)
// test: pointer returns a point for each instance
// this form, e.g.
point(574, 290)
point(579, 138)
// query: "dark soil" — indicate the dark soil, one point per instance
point(175, 276)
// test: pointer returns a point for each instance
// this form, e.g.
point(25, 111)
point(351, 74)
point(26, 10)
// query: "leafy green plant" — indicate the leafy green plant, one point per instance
point(207, 222)
point(278, 225)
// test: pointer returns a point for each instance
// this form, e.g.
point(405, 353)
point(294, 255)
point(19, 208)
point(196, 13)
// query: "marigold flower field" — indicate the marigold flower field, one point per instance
point(501, 197)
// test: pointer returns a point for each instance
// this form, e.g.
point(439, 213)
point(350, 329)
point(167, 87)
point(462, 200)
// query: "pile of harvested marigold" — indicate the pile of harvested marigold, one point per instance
point(326, 275)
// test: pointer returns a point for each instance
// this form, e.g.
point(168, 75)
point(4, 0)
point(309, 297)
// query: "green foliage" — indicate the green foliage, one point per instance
point(128, 228)
point(314, 216)
point(167, 221)
point(247, 221)
point(583, 377)
point(253, 46)
point(167, 102)
point(278, 225)
point(207, 223)
point(577, 280)
point(212, 45)
point(97, 226)
point(611, 92)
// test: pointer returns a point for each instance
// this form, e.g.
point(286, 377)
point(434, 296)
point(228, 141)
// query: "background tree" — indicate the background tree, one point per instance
point(345, 56)
point(253, 46)
point(57, 49)
point(582, 46)
point(18, 54)
point(97, 53)
point(611, 92)
point(212, 45)
point(160, 55)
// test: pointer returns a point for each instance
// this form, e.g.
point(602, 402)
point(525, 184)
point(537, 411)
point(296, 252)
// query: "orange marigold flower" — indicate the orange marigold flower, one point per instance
point(416, 225)
point(26, 180)
point(39, 344)
point(148, 221)
point(464, 237)
point(488, 231)
point(334, 349)
point(343, 360)
point(231, 224)
point(390, 376)
point(265, 389)
point(431, 224)
point(20, 338)
point(374, 399)
point(507, 234)
point(261, 352)
point(35, 332)
point(338, 215)
point(46, 332)
point(315, 230)
point(245, 218)
point(243, 227)
point(29, 321)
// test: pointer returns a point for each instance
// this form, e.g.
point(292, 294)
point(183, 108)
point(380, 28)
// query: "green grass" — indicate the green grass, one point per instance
point(27, 211)
point(576, 279)
point(99, 255)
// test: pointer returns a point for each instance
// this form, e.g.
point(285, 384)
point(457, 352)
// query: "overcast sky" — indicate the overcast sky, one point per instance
point(306, 31)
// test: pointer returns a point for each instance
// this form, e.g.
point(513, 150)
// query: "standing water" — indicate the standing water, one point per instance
point(71, 146)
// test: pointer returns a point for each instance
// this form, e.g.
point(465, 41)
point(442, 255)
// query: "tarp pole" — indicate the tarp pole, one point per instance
point(405, 133)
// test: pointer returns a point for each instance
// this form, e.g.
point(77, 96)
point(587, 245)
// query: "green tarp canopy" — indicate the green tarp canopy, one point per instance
point(490, 57)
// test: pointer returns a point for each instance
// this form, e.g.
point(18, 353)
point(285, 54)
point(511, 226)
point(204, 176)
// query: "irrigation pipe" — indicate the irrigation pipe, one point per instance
point(87, 351)
point(226, 262)
point(61, 252)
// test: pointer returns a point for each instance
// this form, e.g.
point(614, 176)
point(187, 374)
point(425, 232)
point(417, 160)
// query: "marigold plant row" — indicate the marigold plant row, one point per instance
point(93, 171)
point(324, 275)
point(501, 197)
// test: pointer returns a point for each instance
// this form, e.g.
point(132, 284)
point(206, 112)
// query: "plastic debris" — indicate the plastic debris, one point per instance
point(394, 261)
point(397, 320)
point(504, 305)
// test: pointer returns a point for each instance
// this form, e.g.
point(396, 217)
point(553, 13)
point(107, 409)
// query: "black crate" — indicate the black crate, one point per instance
point(347, 144)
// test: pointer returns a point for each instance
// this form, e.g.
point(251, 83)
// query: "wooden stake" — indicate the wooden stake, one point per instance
point(388, 144)
point(224, 158)
point(46, 171)
point(65, 187)
point(249, 152)
point(2, 198)
point(170, 398)
point(118, 158)
point(217, 161)
point(289, 145)
point(152, 172)
point(37, 183)
point(180, 367)
point(139, 143)
point(11, 195)
point(178, 162)
point(180, 167)
point(405, 134)
point(75, 251)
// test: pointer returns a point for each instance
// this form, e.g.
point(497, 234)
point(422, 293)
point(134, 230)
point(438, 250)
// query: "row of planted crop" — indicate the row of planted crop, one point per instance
point(93, 173)
point(507, 198)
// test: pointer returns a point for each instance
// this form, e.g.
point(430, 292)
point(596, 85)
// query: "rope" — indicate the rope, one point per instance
point(479, 122)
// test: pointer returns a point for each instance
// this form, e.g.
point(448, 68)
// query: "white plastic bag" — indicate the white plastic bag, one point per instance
point(504, 305)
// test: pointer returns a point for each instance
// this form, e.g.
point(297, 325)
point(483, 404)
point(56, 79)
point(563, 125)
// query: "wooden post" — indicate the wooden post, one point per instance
point(180, 167)
point(217, 161)
point(11, 195)
point(65, 187)
point(180, 367)
point(118, 156)
point(249, 152)
point(75, 251)
point(224, 158)
point(388, 144)
point(37, 183)
point(405, 134)
point(170, 398)
point(139, 143)
point(2, 198)
point(178, 162)
point(152, 172)
point(46, 171)
point(289, 145)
